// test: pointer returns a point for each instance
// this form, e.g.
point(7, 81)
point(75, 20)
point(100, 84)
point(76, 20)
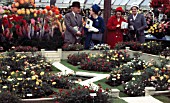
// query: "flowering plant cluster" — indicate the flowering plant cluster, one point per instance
point(166, 52)
point(75, 59)
point(24, 49)
point(161, 5)
point(152, 47)
point(29, 76)
point(116, 57)
point(133, 45)
point(72, 47)
point(137, 64)
point(101, 47)
point(24, 23)
point(120, 75)
point(83, 95)
point(99, 62)
point(94, 63)
point(158, 29)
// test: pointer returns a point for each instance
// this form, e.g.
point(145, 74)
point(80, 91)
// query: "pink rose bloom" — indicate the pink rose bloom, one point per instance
point(1, 11)
point(32, 21)
point(9, 7)
point(5, 7)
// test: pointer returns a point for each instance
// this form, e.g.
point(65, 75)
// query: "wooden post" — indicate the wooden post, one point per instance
point(107, 14)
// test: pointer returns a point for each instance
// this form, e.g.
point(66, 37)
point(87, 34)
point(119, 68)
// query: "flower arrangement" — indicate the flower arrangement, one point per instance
point(158, 3)
point(161, 5)
point(158, 29)
point(25, 25)
point(29, 76)
point(101, 47)
point(75, 59)
point(152, 47)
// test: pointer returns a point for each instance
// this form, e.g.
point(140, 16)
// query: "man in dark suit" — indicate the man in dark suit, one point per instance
point(137, 24)
point(74, 25)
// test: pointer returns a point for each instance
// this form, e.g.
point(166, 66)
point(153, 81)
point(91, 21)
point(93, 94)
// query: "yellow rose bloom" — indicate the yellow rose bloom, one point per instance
point(42, 73)
point(37, 83)
point(156, 69)
point(53, 83)
point(12, 73)
point(161, 78)
point(33, 77)
point(168, 80)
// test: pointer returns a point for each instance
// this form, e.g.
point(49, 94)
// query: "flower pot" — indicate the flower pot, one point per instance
point(167, 37)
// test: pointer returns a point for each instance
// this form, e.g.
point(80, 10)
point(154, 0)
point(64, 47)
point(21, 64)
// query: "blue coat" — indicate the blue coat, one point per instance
point(99, 24)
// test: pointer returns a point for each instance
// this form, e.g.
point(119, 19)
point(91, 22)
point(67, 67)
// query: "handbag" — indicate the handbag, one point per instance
point(97, 36)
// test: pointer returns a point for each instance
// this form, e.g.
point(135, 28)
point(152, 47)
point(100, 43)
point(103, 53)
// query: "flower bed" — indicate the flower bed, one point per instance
point(103, 62)
point(29, 76)
point(133, 45)
point(151, 47)
point(83, 95)
point(156, 77)
point(75, 59)
point(119, 76)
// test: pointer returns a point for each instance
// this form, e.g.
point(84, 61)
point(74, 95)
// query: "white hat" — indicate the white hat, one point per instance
point(134, 5)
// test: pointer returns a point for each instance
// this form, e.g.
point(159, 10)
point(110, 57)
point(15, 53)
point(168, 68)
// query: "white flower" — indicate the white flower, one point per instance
point(4, 87)
point(133, 78)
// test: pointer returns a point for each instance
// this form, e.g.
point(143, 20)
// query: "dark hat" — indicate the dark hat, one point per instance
point(76, 4)
point(96, 8)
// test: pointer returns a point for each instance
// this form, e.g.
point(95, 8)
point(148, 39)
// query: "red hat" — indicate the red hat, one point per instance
point(119, 9)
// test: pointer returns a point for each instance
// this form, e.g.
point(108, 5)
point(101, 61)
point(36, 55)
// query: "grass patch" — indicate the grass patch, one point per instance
point(76, 68)
point(117, 100)
point(104, 86)
point(163, 99)
point(55, 70)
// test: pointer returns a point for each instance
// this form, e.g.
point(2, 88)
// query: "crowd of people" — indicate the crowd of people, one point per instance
point(135, 24)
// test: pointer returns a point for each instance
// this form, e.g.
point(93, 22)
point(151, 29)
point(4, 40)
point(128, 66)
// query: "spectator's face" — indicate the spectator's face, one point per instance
point(91, 12)
point(134, 10)
point(118, 14)
point(76, 10)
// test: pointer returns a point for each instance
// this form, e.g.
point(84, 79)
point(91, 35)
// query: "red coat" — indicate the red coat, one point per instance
point(115, 34)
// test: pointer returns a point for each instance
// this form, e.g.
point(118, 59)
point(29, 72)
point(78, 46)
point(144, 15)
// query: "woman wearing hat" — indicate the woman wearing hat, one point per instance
point(137, 24)
point(115, 33)
point(98, 24)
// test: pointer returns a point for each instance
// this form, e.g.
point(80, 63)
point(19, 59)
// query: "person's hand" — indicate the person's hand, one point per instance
point(89, 30)
point(118, 26)
point(79, 33)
